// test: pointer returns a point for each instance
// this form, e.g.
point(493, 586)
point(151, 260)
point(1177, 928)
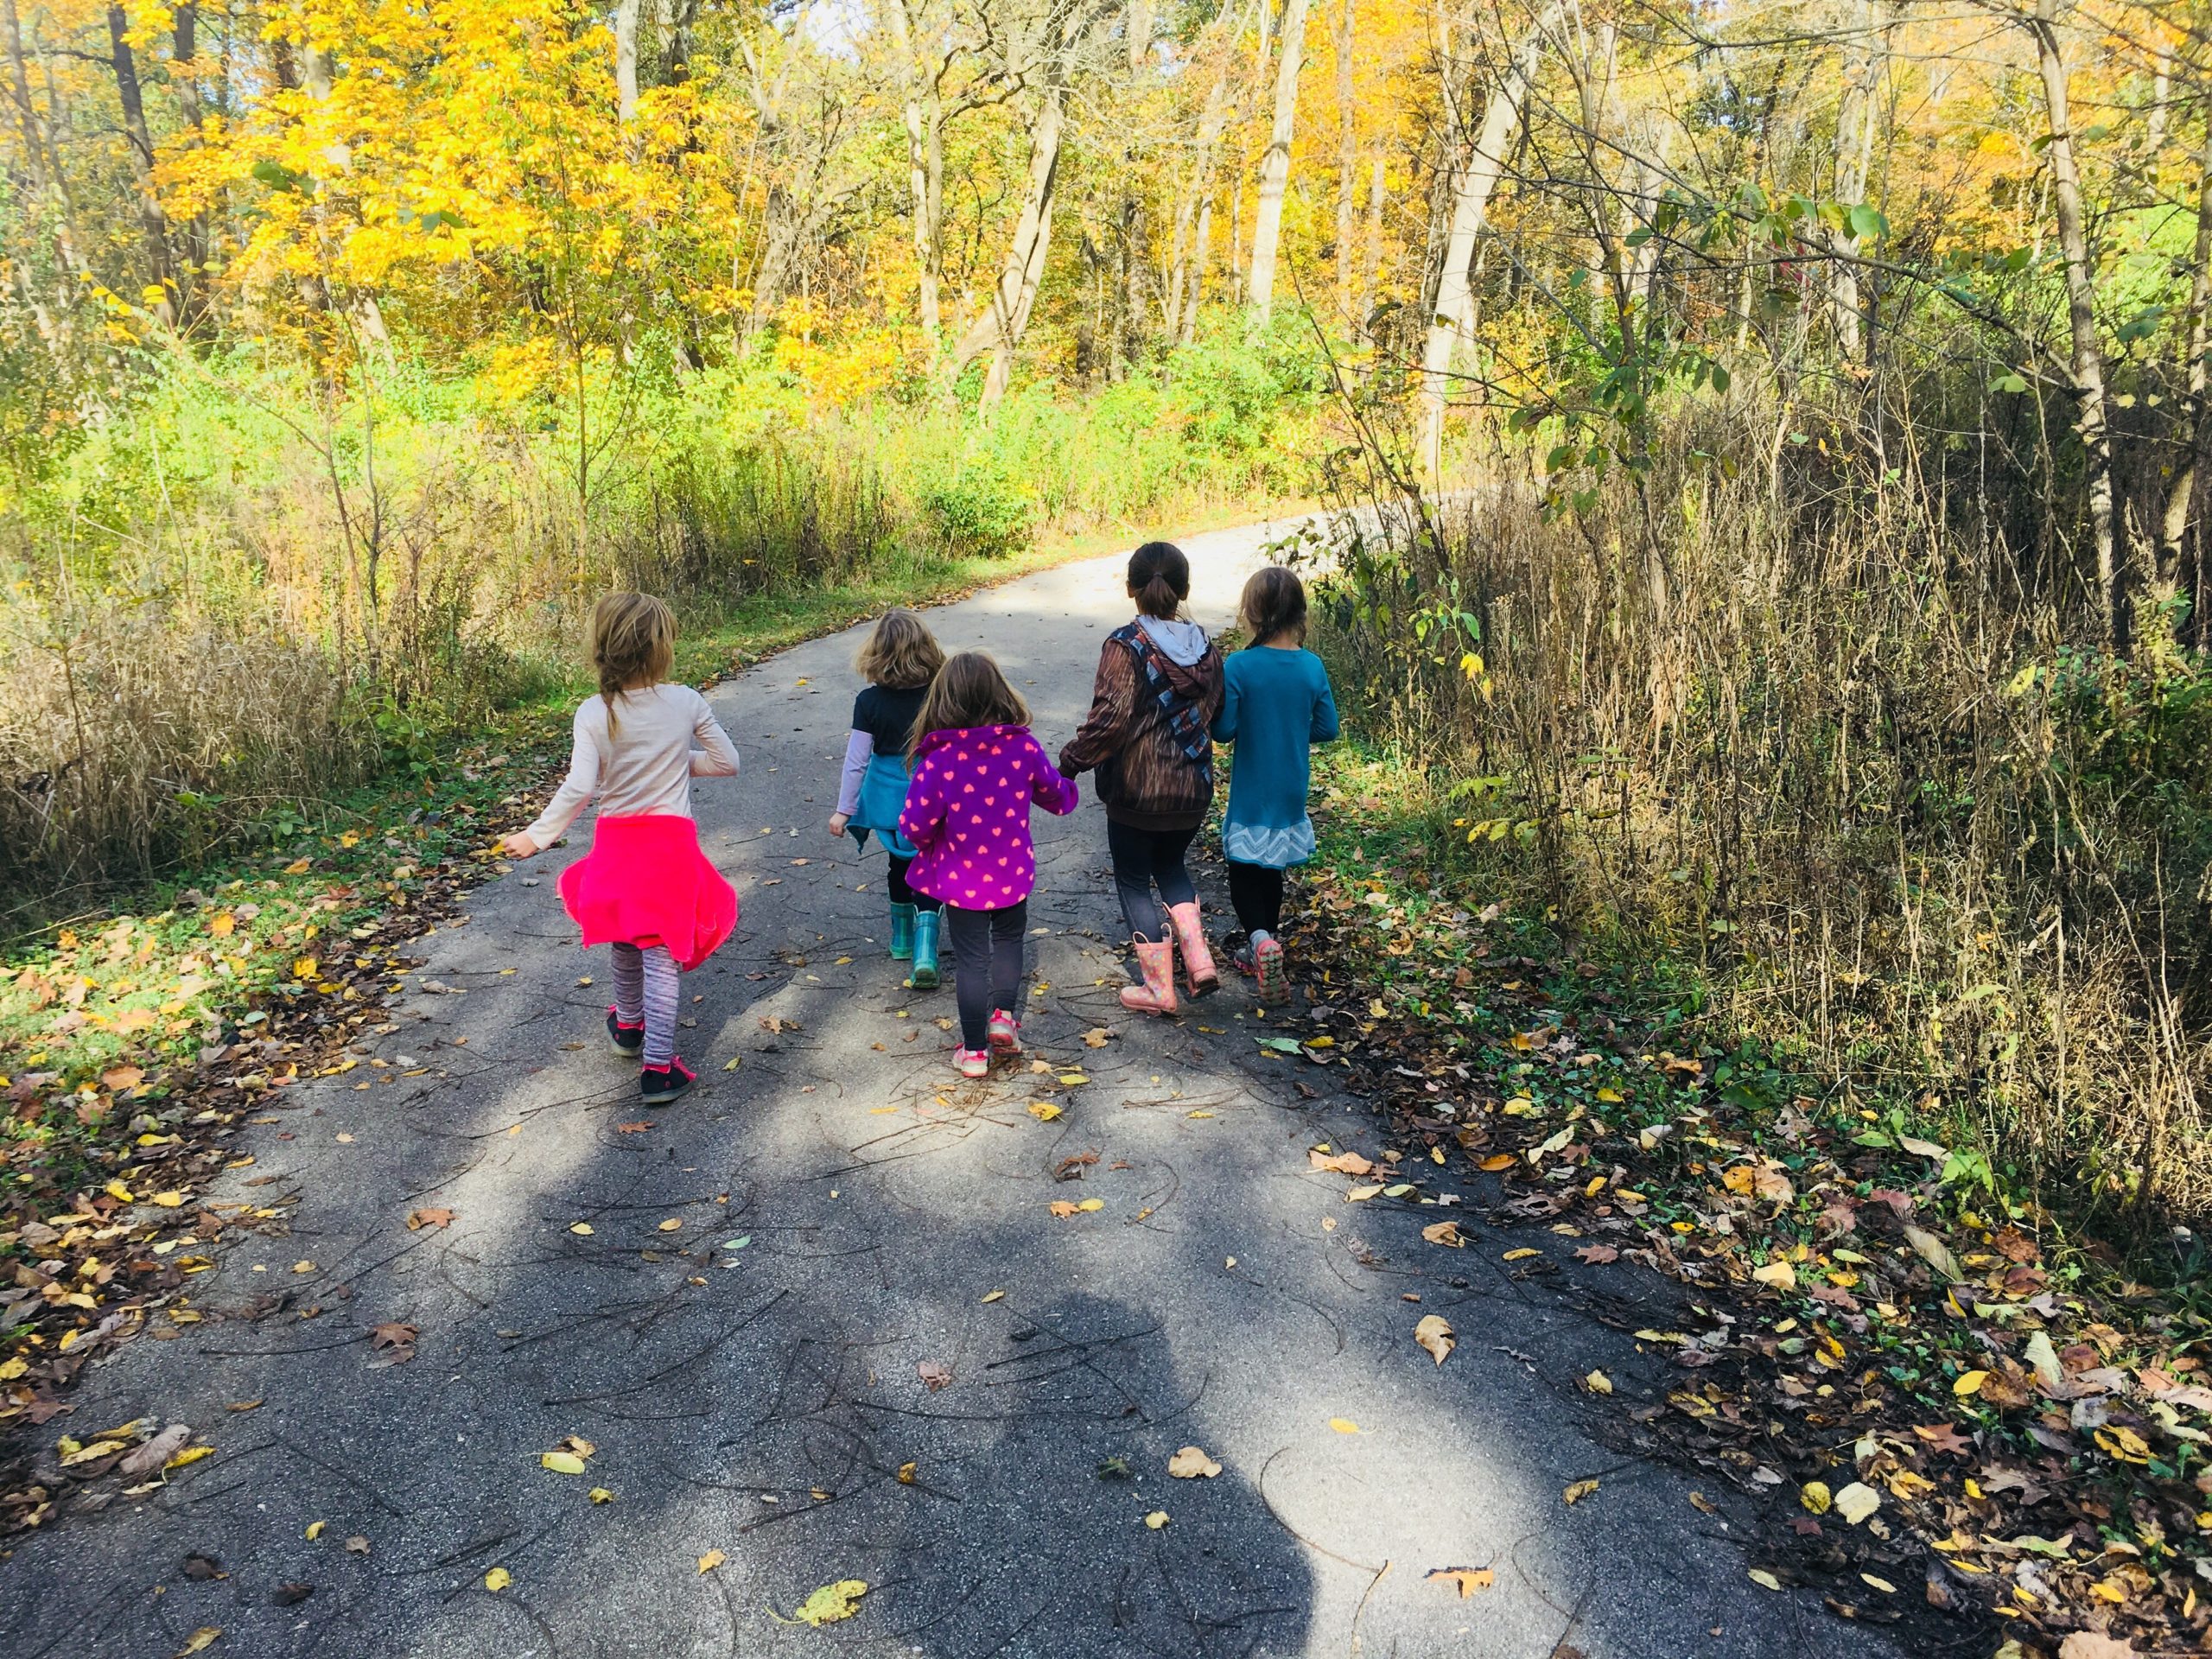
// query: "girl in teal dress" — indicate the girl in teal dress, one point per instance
point(1277, 705)
point(899, 660)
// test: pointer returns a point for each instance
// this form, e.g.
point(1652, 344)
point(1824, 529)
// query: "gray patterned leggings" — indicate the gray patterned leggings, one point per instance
point(646, 983)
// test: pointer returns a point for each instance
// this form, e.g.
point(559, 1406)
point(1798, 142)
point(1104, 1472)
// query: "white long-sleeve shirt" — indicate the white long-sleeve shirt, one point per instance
point(665, 736)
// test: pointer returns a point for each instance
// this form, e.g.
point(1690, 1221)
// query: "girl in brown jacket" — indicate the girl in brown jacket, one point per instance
point(1158, 690)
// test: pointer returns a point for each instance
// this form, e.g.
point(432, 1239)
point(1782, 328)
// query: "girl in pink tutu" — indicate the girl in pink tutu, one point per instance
point(644, 887)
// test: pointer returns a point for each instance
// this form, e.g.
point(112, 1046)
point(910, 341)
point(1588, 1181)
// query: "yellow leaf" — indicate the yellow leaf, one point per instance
point(831, 1603)
point(561, 1463)
point(222, 924)
point(2123, 1443)
point(119, 1192)
point(711, 1559)
point(1343, 1425)
point(1815, 1497)
point(190, 1454)
point(304, 967)
point(1071, 1078)
point(167, 1200)
point(315, 1529)
point(674, 1223)
point(1446, 1233)
point(200, 1640)
point(1156, 1520)
point(1857, 1503)
point(1765, 1579)
point(1612, 1096)
point(498, 1579)
point(1497, 1161)
point(1193, 1464)
point(1435, 1336)
point(1882, 1585)
point(1969, 1383)
point(1598, 1383)
point(1043, 1110)
point(1092, 1203)
point(600, 1495)
point(907, 1473)
point(993, 1295)
point(1467, 1579)
point(1580, 1490)
point(581, 1229)
point(1780, 1274)
point(298, 867)
point(1521, 1255)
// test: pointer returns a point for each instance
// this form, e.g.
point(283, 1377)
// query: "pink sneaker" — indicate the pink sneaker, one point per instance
point(1006, 1032)
point(972, 1062)
point(1266, 965)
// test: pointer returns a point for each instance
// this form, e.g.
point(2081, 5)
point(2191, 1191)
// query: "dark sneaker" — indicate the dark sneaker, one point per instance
point(665, 1082)
point(628, 1041)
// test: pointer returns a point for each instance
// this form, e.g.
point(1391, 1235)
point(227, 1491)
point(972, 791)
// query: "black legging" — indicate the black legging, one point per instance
point(903, 895)
point(986, 965)
point(1144, 858)
point(1256, 891)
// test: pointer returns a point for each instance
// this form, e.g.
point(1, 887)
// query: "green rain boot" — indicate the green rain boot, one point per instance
point(902, 932)
point(923, 978)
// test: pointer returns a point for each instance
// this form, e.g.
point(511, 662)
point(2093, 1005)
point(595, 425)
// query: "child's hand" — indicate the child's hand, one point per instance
point(837, 823)
point(518, 846)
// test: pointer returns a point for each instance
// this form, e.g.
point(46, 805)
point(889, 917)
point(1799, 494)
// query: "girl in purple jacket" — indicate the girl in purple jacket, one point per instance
point(977, 771)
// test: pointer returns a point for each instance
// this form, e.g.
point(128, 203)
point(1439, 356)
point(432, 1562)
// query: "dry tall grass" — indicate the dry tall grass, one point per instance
point(1839, 757)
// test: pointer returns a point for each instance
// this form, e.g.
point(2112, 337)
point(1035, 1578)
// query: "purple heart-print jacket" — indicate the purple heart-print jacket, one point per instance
point(967, 814)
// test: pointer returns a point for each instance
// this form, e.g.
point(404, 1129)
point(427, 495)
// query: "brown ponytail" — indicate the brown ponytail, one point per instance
point(1159, 578)
point(632, 644)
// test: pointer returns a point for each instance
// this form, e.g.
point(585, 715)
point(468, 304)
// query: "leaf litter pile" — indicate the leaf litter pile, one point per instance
point(1943, 1413)
point(134, 1051)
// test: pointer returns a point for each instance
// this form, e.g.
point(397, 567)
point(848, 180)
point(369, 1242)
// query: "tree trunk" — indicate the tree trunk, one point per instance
point(675, 18)
point(1347, 159)
point(1371, 265)
point(153, 226)
point(184, 73)
point(626, 61)
point(1854, 135)
point(999, 329)
point(2092, 418)
point(923, 108)
point(1213, 120)
point(1274, 165)
point(1477, 175)
point(2181, 492)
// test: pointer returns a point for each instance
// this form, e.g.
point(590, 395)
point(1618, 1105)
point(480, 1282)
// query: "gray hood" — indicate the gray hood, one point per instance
point(1181, 643)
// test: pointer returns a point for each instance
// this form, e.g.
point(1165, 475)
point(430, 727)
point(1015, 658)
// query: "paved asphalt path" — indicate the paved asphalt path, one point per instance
point(763, 1401)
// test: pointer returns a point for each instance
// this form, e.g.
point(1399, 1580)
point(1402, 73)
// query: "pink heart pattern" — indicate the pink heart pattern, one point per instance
point(974, 790)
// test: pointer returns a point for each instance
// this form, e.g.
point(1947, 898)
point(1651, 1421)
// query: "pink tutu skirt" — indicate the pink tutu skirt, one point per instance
point(645, 881)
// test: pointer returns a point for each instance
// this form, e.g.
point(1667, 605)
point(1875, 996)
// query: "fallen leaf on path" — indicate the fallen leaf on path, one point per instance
point(1882, 1585)
point(831, 1603)
point(246, 1405)
point(602, 1495)
point(639, 1128)
point(1435, 1335)
point(1779, 1274)
point(583, 1228)
point(1341, 1163)
point(1857, 1501)
point(993, 1295)
point(1580, 1490)
point(1969, 1383)
point(291, 1593)
point(1071, 1078)
point(200, 1640)
point(1815, 1497)
point(1043, 1110)
point(498, 1579)
point(1467, 1579)
point(1362, 1194)
point(1193, 1464)
point(1497, 1161)
point(1097, 1038)
point(561, 1463)
point(907, 1473)
point(1156, 1520)
point(418, 1220)
point(1765, 1579)
point(1597, 1256)
point(1446, 1233)
point(315, 1529)
point(157, 1451)
point(357, 1545)
point(711, 1559)
point(1521, 1255)
point(1343, 1425)
point(1598, 1383)
point(2091, 1645)
point(936, 1373)
point(672, 1224)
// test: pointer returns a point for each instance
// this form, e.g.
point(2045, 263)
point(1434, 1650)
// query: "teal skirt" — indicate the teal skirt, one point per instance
point(883, 796)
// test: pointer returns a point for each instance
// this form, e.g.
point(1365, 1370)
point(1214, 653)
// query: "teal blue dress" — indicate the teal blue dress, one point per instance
point(886, 715)
point(1277, 704)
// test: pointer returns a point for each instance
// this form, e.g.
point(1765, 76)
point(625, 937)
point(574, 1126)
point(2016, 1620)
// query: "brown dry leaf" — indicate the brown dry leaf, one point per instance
point(1193, 1464)
point(1580, 1490)
point(418, 1220)
point(1434, 1334)
point(936, 1373)
point(1097, 1038)
point(638, 1127)
point(1446, 1233)
point(2089, 1644)
point(1341, 1163)
point(711, 1559)
point(1467, 1579)
point(118, 1078)
point(357, 1545)
point(1597, 1256)
point(1932, 1251)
